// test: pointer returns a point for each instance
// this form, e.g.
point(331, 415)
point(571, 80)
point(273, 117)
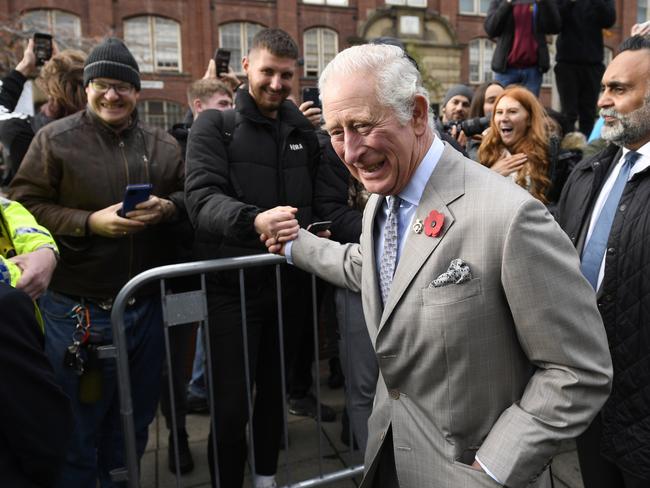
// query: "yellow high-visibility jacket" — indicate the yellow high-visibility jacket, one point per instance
point(19, 234)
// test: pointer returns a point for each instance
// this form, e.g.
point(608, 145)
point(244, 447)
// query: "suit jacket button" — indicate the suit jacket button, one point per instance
point(394, 394)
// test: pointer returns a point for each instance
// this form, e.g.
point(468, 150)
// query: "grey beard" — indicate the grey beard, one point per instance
point(629, 128)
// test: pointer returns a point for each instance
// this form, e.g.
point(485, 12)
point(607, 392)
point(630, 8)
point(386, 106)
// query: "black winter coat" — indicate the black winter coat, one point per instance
point(36, 421)
point(581, 38)
point(624, 303)
point(267, 162)
point(332, 195)
point(500, 24)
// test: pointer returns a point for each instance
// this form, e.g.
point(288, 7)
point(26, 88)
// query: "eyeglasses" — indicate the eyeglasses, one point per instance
point(120, 88)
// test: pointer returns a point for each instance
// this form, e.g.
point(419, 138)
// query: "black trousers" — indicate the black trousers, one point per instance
point(180, 343)
point(230, 387)
point(598, 472)
point(579, 86)
point(386, 472)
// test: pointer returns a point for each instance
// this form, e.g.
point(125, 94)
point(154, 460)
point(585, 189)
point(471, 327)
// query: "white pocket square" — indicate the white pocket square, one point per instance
point(457, 273)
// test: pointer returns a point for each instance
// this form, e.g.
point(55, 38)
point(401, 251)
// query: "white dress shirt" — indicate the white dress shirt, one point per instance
point(642, 163)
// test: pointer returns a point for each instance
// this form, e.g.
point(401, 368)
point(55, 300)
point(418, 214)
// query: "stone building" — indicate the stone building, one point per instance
point(174, 39)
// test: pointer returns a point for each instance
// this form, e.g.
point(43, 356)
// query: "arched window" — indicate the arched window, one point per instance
point(320, 47)
point(64, 26)
point(160, 113)
point(480, 60)
point(237, 37)
point(155, 43)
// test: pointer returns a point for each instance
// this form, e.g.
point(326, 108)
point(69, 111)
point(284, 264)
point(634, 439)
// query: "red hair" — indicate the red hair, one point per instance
point(534, 144)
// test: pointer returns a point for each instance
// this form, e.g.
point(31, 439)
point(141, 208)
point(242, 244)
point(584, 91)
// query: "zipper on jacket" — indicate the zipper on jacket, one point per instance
point(126, 171)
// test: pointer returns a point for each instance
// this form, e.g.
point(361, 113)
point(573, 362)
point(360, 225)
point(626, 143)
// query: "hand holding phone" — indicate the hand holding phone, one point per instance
point(42, 47)
point(222, 60)
point(311, 94)
point(133, 195)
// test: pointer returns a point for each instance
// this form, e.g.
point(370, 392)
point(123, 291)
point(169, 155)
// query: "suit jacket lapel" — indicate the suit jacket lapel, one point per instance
point(371, 295)
point(446, 184)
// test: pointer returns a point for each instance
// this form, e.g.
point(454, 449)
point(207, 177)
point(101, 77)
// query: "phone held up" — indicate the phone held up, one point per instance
point(133, 195)
point(311, 94)
point(222, 60)
point(321, 226)
point(42, 47)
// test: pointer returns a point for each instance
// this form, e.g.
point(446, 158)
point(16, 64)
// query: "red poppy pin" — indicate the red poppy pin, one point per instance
point(433, 223)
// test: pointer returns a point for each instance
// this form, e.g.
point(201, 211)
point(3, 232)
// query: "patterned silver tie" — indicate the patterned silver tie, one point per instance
point(389, 256)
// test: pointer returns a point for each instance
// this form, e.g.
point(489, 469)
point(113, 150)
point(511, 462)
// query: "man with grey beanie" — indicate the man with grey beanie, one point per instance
point(455, 109)
point(72, 179)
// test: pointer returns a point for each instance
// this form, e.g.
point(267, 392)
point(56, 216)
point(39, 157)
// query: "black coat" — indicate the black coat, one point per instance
point(331, 195)
point(500, 24)
point(624, 303)
point(35, 418)
point(229, 181)
point(581, 38)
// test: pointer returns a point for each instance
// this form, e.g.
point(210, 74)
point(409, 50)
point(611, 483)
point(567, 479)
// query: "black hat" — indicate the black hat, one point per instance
point(112, 59)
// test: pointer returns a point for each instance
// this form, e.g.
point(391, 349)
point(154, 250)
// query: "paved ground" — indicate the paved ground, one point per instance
point(302, 454)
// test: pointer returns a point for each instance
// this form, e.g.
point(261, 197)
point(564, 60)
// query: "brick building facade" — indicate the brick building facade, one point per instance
point(174, 39)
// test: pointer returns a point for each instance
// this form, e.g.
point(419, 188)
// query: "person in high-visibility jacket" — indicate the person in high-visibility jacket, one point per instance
point(28, 253)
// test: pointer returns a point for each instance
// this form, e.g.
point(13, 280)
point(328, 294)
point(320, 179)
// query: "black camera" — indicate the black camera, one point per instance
point(471, 127)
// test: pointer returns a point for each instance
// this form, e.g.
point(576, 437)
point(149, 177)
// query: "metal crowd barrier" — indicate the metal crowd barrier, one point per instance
point(190, 308)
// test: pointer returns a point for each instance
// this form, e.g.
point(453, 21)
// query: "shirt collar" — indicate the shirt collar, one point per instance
point(412, 192)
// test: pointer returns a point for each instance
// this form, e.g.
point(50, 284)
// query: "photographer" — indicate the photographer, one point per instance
point(455, 109)
point(480, 112)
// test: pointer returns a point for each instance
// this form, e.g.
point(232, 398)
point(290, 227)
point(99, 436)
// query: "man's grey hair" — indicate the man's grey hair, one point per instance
point(397, 81)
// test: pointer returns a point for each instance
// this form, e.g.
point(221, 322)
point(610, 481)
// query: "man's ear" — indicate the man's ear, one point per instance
point(245, 63)
point(420, 117)
point(197, 106)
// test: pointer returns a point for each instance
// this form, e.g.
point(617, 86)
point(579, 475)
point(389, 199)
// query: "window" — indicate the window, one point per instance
point(335, 3)
point(237, 37)
point(155, 43)
point(409, 3)
point(160, 113)
point(65, 27)
point(321, 45)
point(473, 7)
point(642, 10)
point(480, 60)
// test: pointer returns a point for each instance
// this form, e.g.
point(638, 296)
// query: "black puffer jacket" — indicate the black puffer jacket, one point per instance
point(624, 303)
point(267, 163)
point(500, 24)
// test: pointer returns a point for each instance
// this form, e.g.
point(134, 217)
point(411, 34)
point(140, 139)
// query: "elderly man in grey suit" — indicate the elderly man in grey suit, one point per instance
point(490, 346)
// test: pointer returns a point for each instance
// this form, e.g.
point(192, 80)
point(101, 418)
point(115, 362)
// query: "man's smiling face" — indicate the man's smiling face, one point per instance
point(377, 149)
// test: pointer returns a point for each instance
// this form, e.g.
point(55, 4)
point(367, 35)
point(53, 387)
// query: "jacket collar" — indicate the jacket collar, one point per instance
point(103, 126)
point(287, 114)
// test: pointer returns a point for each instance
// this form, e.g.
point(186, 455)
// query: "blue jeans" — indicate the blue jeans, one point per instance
point(97, 444)
point(531, 78)
point(197, 386)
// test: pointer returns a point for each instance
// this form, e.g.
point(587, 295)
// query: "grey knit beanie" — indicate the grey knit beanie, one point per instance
point(462, 90)
point(112, 59)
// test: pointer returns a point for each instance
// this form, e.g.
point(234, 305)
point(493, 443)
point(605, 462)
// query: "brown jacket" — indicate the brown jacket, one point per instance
point(78, 165)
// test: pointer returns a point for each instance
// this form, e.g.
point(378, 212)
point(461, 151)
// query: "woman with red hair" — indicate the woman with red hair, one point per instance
point(517, 144)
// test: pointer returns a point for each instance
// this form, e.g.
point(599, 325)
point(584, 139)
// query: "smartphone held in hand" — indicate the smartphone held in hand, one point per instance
point(42, 47)
point(133, 195)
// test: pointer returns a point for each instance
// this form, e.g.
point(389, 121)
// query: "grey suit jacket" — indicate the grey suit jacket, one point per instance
point(504, 366)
